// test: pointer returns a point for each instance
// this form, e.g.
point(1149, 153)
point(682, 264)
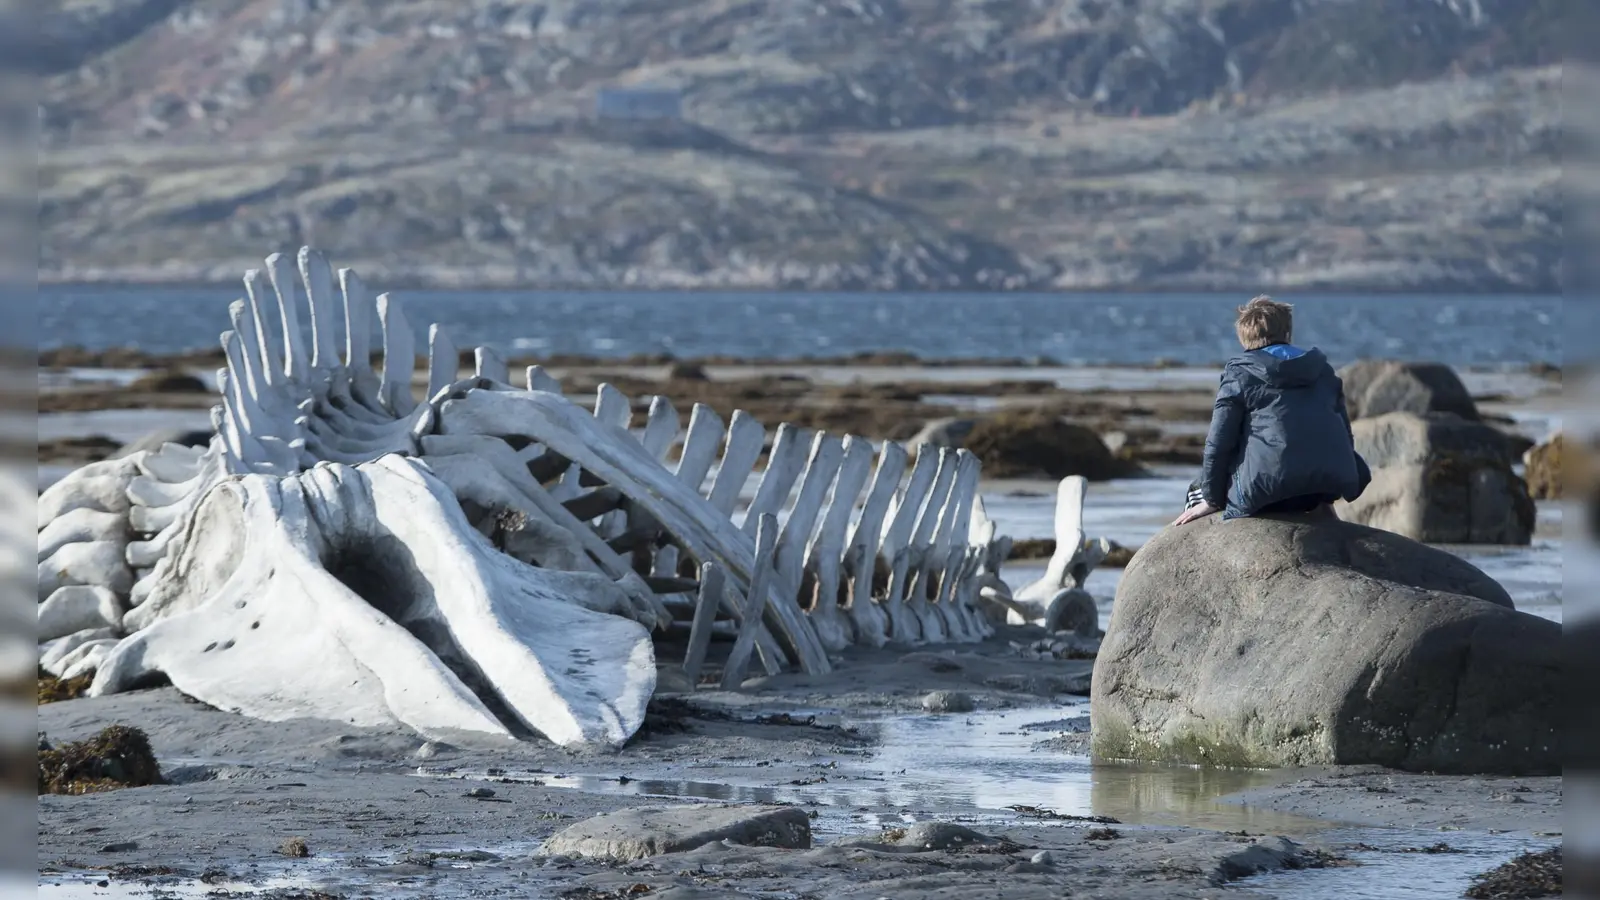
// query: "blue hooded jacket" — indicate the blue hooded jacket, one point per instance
point(1279, 431)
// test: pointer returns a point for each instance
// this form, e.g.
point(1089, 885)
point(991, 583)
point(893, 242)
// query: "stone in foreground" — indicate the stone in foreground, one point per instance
point(919, 838)
point(631, 834)
point(1309, 641)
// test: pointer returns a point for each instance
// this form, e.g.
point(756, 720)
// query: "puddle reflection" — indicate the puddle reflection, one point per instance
point(974, 765)
point(1390, 868)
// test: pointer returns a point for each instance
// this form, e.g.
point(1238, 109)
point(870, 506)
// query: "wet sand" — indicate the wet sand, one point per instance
point(387, 814)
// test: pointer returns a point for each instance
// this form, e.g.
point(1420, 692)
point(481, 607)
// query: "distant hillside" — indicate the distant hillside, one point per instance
point(844, 143)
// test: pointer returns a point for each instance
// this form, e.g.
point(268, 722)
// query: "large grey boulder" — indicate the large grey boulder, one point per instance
point(630, 834)
point(1295, 641)
point(1373, 387)
point(1440, 479)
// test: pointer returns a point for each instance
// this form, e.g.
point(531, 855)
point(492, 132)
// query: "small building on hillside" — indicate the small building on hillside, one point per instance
point(639, 103)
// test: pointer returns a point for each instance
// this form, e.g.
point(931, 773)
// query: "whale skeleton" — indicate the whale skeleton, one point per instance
point(492, 557)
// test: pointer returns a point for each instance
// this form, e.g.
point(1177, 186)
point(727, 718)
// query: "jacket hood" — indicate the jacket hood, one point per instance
point(1282, 365)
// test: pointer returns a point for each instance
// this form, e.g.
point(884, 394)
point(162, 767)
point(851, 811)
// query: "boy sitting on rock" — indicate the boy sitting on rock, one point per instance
point(1280, 438)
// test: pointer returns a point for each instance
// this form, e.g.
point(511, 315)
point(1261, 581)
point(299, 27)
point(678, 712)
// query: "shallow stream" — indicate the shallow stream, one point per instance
point(979, 768)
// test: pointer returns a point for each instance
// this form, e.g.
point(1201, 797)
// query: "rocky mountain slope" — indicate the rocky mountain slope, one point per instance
point(1408, 144)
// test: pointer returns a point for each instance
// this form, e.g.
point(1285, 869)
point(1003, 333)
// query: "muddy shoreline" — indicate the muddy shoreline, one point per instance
point(385, 811)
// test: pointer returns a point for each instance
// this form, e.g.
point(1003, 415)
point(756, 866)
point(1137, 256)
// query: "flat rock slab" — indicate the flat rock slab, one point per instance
point(631, 834)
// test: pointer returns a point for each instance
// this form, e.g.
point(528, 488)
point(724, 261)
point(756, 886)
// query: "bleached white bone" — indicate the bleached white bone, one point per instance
point(92, 563)
point(827, 453)
point(146, 491)
point(310, 644)
point(258, 337)
point(478, 451)
point(860, 562)
point(660, 428)
point(364, 384)
point(761, 572)
point(51, 653)
point(444, 361)
point(1070, 564)
point(283, 412)
point(745, 439)
point(399, 356)
point(170, 462)
point(613, 406)
point(618, 460)
point(76, 608)
point(280, 271)
point(489, 364)
point(825, 557)
point(85, 658)
point(151, 519)
point(707, 602)
point(920, 546)
point(82, 525)
point(948, 557)
point(699, 446)
point(100, 486)
point(318, 278)
point(784, 464)
point(145, 554)
point(539, 380)
point(903, 626)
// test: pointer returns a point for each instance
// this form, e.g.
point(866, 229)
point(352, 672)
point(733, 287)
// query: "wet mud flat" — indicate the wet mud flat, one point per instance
point(386, 813)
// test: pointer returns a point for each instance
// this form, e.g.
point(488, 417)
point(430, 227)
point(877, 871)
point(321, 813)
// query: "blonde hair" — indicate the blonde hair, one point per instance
point(1264, 322)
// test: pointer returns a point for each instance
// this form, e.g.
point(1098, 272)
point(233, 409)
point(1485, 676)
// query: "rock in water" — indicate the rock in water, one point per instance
point(948, 432)
point(630, 834)
point(942, 836)
point(1035, 443)
point(1374, 387)
point(1440, 479)
point(1075, 611)
point(948, 702)
point(1292, 642)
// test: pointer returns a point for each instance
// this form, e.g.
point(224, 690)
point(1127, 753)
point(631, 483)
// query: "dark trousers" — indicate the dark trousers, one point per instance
point(1302, 504)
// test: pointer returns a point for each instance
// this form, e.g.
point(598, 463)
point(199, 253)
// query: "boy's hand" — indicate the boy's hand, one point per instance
point(1195, 512)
